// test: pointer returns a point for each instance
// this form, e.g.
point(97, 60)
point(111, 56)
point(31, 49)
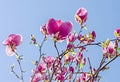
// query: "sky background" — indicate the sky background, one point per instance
point(26, 16)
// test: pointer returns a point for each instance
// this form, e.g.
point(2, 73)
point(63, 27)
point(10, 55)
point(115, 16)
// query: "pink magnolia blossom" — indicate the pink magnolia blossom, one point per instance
point(81, 15)
point(117, 33)
point(109, 50)
point(79, 59)
point(71, 69)
point(60, 77)
point(87, 38)
point(37, 76)
point(68, 58)
point(70, 46)
point(60, 74)
point(12, 42)
point(71, 38)
point(85, 77)
point(49, 60)
point(41, 68)
point(44, 31)
point(58, 29)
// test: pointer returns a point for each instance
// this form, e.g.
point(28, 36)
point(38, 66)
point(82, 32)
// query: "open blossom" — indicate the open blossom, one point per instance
point(49, 60)
point(81, 15)
point(60, 74)
point(109, 50)
point(37, 77)
point(41, 68)
point(117, 33)
point(87, 38)
point(68, 58)
point(80, 60)
point(12, 42)
point(71, 69)
point(58, 29)
point(85, 77)
point(71, 38)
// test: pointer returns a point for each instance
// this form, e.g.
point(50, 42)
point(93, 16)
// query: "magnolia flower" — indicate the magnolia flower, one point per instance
point(109, 50)
point(80, 60)
point(117, 33)
point(81, 15)
point(87, 38)
point(49, 60)
point(58, 29)
point(12, 42)
point(71, 38)
point(60, 74)
point(71, 69)
point(68, 58)
point(41, 68)
point(44, 31)
point(84, 77)
point(37, 76)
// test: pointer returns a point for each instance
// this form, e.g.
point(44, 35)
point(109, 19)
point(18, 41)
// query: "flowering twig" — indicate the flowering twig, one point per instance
point(40, 48)
point(20, 67)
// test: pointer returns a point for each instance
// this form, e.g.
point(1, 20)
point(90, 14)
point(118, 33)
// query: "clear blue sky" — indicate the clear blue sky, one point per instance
point(26, 17)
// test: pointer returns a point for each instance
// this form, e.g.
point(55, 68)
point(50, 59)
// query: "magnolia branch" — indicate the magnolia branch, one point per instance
point(20, 67)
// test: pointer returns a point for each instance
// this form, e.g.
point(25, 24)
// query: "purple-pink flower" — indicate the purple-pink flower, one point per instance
point(81, 15)
point(87, 38)
point(44, 31)
point(49, 60)
point(41, 68)
point(58, 29)
point(68, 58)
point(79, 59)
point(12, 42)
point(71, 38)
point(85, 77)
point(109, 50)
point(71, 69)
point(117, 33)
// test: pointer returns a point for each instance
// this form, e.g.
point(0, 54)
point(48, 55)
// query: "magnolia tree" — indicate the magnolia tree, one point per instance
point(67, 65)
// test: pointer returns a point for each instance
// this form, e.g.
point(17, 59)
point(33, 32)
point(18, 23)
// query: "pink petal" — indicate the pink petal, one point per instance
point(9, 51)
point(65, 28)
point(17, 40)
point(52, 26)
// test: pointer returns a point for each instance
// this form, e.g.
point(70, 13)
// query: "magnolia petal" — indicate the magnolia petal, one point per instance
point(9, 51)
point(52, 26)
point(65, 29)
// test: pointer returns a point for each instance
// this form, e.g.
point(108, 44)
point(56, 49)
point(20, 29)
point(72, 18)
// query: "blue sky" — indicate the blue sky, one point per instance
point(26, 17)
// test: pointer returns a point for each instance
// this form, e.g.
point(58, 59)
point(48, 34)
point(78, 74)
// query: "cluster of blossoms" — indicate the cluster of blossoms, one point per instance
point(68, 65)
point(53, 67)
point(87, 38)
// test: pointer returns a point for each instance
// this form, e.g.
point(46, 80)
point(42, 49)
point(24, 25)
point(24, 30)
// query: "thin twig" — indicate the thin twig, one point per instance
point(20, 66)
point(15, 73)
point(40, 48)
point(108, 62)
point(90, 66)
point(56, 47)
